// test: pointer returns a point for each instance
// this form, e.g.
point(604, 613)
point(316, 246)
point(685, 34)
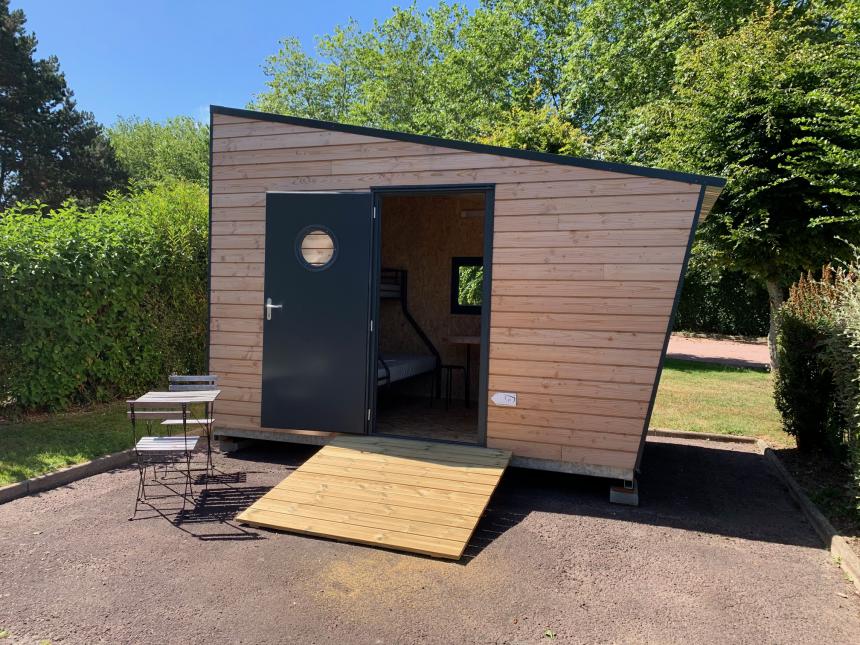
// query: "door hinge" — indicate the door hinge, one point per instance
point(374, 212)
point(371, 325)
point(368, 414)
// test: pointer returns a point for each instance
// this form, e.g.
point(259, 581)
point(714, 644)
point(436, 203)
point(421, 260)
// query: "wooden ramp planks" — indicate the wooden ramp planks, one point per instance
point(401, 494)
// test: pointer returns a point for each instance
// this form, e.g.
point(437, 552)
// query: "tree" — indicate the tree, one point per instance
point(545, 42)
point(571, 67)
point(763, 93)
point(319, 88)
point(151, 152)
point(775, 107)
point(537, 129)
point(445, 72)
point(49, 150)
point(622, 55)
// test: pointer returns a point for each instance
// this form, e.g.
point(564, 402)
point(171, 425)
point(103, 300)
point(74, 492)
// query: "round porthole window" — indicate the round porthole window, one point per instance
point(316, 248)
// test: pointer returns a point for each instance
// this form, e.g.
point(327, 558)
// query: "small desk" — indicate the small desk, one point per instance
point(468, 341)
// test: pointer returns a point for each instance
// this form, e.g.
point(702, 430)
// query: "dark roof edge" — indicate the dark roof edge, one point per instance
point(629, 169)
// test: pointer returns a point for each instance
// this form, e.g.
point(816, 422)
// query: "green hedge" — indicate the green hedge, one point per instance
point(104, 302)
point(722, 302)
point(842, 356)
point(817, 386)
point(803, 386)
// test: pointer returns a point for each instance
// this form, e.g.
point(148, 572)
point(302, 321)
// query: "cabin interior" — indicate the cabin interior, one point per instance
point(430, 323)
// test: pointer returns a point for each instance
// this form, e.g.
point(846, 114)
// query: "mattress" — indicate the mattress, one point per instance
point(404, 366)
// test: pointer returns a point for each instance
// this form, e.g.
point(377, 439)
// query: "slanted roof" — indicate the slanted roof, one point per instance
point(713, 185)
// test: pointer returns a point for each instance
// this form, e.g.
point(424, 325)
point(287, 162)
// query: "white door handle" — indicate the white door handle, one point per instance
point(269, 307)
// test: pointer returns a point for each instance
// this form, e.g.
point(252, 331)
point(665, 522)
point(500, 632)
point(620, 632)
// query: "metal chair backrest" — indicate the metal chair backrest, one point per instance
point(193, 383)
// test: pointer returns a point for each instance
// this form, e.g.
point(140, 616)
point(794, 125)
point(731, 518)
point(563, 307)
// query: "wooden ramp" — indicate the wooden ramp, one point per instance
point(396, 493)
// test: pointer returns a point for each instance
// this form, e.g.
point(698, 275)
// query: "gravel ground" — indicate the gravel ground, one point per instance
point(716, 553)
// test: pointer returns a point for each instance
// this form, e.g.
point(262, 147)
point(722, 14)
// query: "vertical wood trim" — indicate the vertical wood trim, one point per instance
point(209, 243)
point(670, 324)
point(486, 312)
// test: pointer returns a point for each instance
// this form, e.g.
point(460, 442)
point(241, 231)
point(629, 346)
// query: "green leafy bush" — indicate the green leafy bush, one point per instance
point(842, 354)
point(151, 152)
point(803, 385)
point(817, 386)
point(98, 303)
point(471, 285)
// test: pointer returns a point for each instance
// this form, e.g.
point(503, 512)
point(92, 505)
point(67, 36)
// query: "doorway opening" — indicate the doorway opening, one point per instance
point(432, 314)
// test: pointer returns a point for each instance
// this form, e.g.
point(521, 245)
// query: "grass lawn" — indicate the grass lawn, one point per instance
point(704, 397)
point(37, 446)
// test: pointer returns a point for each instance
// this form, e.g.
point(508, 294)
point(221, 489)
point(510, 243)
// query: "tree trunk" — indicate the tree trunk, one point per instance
point(776, 297)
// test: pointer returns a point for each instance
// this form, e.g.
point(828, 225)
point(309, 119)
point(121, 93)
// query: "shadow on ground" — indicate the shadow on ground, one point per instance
point(221, 496)
point(719, 360)
point(705, 489)
point(714, 489)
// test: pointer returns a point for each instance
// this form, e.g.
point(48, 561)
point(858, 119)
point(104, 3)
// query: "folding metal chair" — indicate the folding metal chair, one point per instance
point(154, 450)
point(196, 383)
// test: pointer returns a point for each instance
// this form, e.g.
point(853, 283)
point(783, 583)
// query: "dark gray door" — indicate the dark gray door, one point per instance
point(317, 311)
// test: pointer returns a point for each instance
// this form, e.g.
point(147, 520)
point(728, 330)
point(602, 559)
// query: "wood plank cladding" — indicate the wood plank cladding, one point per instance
point(586, 265)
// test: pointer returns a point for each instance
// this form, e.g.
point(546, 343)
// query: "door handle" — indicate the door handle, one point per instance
point(269, 307)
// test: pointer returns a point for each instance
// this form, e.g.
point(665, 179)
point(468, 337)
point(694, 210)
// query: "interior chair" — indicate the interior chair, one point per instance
point(448, 371)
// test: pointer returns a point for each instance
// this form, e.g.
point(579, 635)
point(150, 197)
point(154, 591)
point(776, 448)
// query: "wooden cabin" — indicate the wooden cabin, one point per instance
point(374, 282)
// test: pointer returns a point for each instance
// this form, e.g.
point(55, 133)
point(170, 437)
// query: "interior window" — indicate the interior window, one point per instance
point(467, 283)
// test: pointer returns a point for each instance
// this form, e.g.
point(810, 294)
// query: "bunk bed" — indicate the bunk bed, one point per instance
point(398, 367)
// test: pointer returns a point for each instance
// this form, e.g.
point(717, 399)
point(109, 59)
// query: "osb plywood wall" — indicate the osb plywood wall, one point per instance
point(422, 235)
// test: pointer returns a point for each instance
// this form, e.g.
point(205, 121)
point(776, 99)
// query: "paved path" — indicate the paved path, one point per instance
point(727, 352)
point(717, 553)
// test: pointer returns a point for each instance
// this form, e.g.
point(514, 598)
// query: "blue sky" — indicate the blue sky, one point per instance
point(161, 58)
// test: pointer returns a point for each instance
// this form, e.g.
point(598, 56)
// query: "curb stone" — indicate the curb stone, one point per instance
point(701, 436)
point(65, 475)
point(838, 545)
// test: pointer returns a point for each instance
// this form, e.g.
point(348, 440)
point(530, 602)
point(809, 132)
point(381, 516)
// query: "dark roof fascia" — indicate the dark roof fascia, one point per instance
point(481, 148)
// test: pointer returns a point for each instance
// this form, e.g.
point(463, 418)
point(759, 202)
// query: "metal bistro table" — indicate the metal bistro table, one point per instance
point(182, 401)
point(468, 341)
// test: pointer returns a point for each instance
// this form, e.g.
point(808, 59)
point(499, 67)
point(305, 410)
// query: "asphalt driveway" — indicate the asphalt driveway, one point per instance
point(716, 553)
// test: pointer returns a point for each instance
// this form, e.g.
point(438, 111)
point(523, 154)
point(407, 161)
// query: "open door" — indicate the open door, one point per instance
point(318, 270)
